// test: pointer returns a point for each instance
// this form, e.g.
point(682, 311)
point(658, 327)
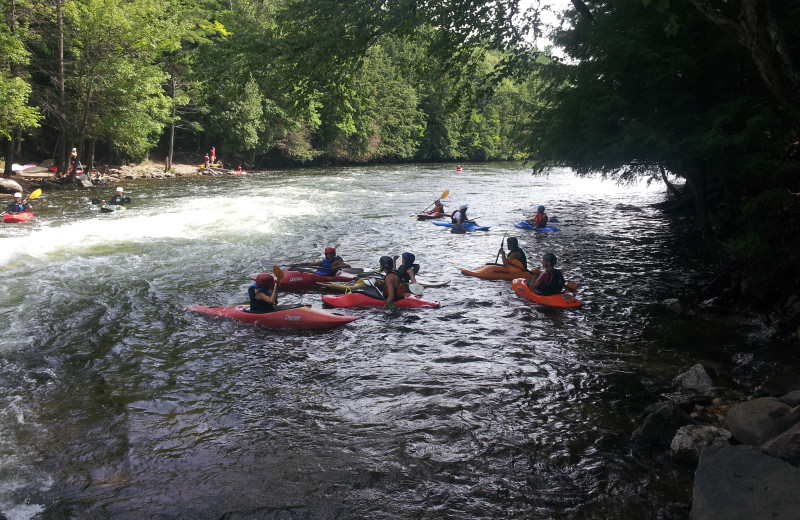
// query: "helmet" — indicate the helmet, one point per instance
point(512, 242)
point(386, 262)
point(550, 257)
point(463, 207)
point(540, 208)
point(330, 249)
point(119, 190)
point(409, 258)
point(264, 280)
point(18, 195)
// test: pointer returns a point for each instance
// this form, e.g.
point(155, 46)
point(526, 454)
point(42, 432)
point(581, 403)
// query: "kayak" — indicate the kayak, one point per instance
point(526, 225)
point(303, 280)
point(429, 215)
point(496, 272)
point(17, 217)
point(215, 165)
point(469, 226)
point(111, 208)
point(359, 299)
point(288, 317)
point(359, 283)
point(563, 300)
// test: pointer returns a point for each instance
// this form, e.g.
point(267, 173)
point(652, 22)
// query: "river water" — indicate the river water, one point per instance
point(117, 402)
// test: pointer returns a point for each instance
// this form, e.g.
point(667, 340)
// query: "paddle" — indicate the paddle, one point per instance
point(501, 246)
point(269, 264)
point(278, 272)
point(444, 195)
point(35, 194)
point(125, 200)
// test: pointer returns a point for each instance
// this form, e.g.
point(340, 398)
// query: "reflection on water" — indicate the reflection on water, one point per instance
point(118, 403)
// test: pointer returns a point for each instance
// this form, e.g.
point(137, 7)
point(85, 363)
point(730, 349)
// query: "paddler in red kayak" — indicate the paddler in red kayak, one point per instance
point(328, 265)
point(514, 253)
point(18, 206)
point(438, 207)
point(547, 282)
point(263, 297)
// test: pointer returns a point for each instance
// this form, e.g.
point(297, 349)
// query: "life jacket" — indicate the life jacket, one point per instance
point(325, 267)
point(554, 284)
point(116, 199)
point(403, 273)
point(524, 258)
point(540, 220)
point(16, 207)
point(438, 208)
point(257, 305)
point(462, 216)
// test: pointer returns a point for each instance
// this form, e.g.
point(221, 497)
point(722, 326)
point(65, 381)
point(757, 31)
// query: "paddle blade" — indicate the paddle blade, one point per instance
point(444, 195)
point(35, 194)
point(572, 286)
point(278, 272)
point(416, 288)
point(126, 200)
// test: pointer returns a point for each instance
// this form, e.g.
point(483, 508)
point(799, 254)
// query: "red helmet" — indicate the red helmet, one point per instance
point(330, 249)
point(264, 280)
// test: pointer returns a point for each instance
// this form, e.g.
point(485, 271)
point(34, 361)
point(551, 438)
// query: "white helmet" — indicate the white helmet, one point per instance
point(463, 207)
point(119, 190)
point(18, 194)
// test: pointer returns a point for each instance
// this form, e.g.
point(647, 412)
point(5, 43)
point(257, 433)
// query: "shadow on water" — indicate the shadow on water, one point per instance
point(119, 403)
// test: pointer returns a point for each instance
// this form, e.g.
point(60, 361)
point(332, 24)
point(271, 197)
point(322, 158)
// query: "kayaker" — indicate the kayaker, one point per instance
point(547, 282)
point(117, 199)
point(328, 265)
point(540, 219)
point(438, 207)
point(408, 269)
point(459, 218)
point(263, 297)
point(393, 288)
point(239, 169)
point(514, 252)
point(18, 206)
point(458, 168)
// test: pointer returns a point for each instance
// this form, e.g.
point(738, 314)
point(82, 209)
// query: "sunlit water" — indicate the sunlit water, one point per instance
point(117, 402)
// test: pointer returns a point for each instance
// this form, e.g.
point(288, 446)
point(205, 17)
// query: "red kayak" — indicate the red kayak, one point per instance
point(302, 280)
point(294, 317)
point(357, 299)
point(430, 215)
point(18, 217)
point(563, 300)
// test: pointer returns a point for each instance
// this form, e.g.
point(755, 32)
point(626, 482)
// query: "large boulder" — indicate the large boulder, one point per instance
point(692, 439)
point(757, 421)
point(741, 483)
point(659, 426)
point(9, 186)
point(785, 446)
point(696, 378)
point(792, 398)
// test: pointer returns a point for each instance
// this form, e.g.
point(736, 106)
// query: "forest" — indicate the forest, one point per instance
point(703, 91)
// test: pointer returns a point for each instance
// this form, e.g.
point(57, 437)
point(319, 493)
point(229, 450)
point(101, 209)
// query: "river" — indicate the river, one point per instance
point(117, 402)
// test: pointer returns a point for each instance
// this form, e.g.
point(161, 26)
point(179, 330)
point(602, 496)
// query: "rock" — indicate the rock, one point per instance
point(9, 186)
point(692, 439)
point(757, 421)
point(741, 483)
point(675, 306)
point(792, 398)
point(660, 425)
point(791, 300)
point(785, 446)
point(695, 378)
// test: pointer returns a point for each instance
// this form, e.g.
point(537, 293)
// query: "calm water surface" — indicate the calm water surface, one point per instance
point(116, 402)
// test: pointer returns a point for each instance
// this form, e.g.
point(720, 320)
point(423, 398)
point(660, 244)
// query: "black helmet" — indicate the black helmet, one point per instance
point(550, 257)
point(512, 242)
point(409, 258)
point(386, 262)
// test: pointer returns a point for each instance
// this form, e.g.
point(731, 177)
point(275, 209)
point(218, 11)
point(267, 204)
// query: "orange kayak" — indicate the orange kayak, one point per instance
point(496, 272)
point(563, 300)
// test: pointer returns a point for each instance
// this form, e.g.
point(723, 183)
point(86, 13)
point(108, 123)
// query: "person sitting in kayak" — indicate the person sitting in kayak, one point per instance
point(393, 287)
point(514, 253)
point(18, 206)
point(408, 269)
point(117, 199)
point(438, 207)
point(263, 297)
point(547, 282)
point(540, 219)
point(328, 265)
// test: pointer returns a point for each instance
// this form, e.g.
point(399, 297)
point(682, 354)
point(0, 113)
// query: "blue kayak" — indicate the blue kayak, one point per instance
point(526, 225)
point(469, 226)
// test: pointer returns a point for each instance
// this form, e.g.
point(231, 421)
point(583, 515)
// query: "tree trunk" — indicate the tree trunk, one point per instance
point(171, 148)
point(9, 153)
point(62, 99)
point(758, 30)
point(90, 160)
point(697, 183)
point(671, 187)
